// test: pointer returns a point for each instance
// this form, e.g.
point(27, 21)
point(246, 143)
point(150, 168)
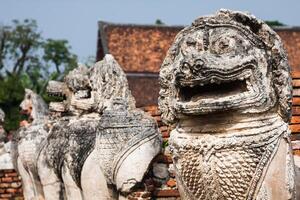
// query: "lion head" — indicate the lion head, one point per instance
point(33, 106)
point(228, 61)
point(103, 86)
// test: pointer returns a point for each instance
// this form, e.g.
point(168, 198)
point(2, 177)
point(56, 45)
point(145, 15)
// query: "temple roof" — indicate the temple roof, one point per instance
point(140, 50)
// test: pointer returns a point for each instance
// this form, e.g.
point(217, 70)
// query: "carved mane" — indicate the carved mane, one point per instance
point(255, 30)
point(109, 82)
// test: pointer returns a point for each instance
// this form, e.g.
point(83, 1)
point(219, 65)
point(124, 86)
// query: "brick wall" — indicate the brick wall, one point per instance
point(10, 185)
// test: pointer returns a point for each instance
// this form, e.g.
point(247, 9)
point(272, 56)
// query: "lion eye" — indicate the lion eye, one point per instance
point(223, 45)
point(191, 46)
point(190, 41)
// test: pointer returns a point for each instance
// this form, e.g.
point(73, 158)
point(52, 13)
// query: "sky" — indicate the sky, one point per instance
point(76, 20)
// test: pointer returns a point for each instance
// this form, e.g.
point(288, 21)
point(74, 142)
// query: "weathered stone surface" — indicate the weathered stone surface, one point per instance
point(97, 136)
point(5, 156)
point(226, 84)
point(160, 170)
point(28, 141)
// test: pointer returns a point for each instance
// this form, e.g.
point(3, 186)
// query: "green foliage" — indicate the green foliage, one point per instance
point(57, 52)
point(274, 23)
point(165, 144)
point(28, 61)
point(11, 94)
point(159, 22)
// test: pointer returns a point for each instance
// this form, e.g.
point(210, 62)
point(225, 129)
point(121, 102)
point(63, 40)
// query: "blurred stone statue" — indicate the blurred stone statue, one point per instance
point(226, 85)
point(28, 141)
point(5, 146)
point(99, 145)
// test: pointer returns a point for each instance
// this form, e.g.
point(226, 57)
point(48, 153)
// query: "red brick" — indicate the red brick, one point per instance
point(290, 39)
point(4, 185)
point(16, 179)
point(11, 174)
point(165, 134)
point(7, 179)
point(296, 101)
point(296, 152)
point(171, 182)
point(161, 158)
point(295, 128)
point(167, 193)
point(8, 170)
point(11, 190)
point(6, 195)
point(139, 49)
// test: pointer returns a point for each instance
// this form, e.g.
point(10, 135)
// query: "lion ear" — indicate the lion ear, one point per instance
point(28, 91)
point(166, 93)
point(283, 88)
point(166, 79)
point(167, 115)
point(164, 100)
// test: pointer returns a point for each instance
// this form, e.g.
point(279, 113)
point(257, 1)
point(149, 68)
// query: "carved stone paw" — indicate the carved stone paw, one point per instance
point(128, 185)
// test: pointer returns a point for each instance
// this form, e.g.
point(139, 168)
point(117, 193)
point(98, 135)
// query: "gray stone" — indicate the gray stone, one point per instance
point(28, 141)
point(160, 170)
point(226, 85)
point(90, 141)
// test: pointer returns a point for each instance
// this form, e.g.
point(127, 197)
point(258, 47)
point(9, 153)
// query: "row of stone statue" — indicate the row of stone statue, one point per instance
point(225, 85)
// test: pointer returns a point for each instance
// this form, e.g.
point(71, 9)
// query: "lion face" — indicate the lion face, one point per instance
point(87, 90)
point(75, 92)
point(26, 107)
point(218, 69)
point(230, 61)
point(33, 107)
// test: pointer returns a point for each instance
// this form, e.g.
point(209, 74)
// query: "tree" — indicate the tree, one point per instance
point(159, 22)
point(274, 23)
point(28, 61)
point(57, 52)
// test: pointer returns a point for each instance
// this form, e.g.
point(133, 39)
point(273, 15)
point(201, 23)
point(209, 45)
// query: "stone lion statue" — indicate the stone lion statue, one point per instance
point(97, 137)
point(27, 142)
point(226, 84)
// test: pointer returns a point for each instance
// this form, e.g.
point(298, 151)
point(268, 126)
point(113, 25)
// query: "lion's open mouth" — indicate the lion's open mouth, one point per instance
point(56, 90)
point(215, 93)
point(26, 117)
point(212, 90)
